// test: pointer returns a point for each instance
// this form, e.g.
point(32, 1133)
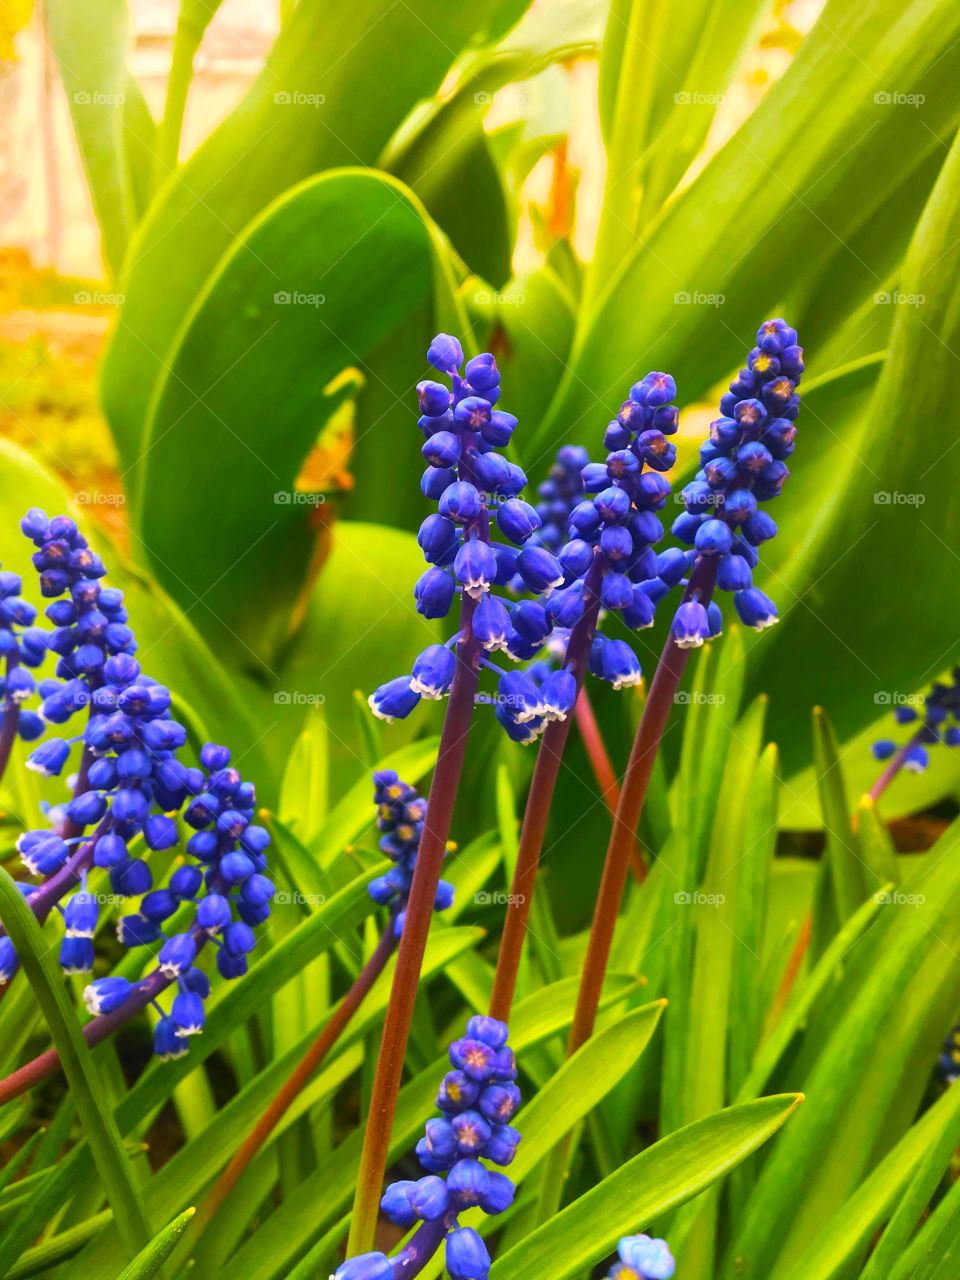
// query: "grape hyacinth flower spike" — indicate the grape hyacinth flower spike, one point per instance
point(477, 1100)
point(142, 802)
point(743, 464)
point(468, 478)
point(401, 813)
point(643, 1258)
point(936, 721)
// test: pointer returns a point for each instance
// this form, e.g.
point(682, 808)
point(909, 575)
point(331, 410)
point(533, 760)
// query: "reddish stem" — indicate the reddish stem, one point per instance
point(537, 811)
point(894, 765)
point(403, 992)
point(656, 713)
point(602, 767)
point(299, 1077)
point(791, 970)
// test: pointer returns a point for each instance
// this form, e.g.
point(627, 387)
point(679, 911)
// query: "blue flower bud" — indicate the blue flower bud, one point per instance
point(493, 473)
point(468, 1182)
point(131, 877)
point(42, 852)
point(641, 611)
point(619, 665)
point(558, 695)
point(435, 480)
point(502, 1145)
point(443, 899)
point(917, 759)
point(755, 609)
point(137, 931)
point(883, 749)
point(461, 502)
point(76, 955)
point(433, 671)
point(539, 569)
point(466, 1255)
point(367, 1266)
point(188, 1014)
point(107, 994)
point(734, 574)
point(457, 1092)
point(80, 915)
point(393, 700)
point(518, 520)
point(446, 354)
point(500, 1193)
point(167, 1044)
point(474, 1057)
point(395, 1203)
point(86, 809)
point(438, 539)
point(616, 543)
point(491, 623)
point(759, 528)
point(429, 1198)
point(442, 449)
point(434, 593)
point(649, 1259)
point(519, 696)
point(160, 832)
point(472, 1132)
point(498, 430)
point(177, 955)
point(231, 967)
point(433, 398)
point(904, 713)
point(186, 882)
point(475, 567)
point(9, 961)
point(690, 625)
point(49, 758)
point(714, 538)
point(472, 412)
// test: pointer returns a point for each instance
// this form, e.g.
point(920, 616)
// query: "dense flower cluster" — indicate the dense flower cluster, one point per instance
point(401, 812)
point(941, 705)
point(743, 464)
point(643, 1258)
point(22, 647)
point(559, 494)
point(468, 477)
point(477, 1100)
point(948, 1064)
point(129, 787)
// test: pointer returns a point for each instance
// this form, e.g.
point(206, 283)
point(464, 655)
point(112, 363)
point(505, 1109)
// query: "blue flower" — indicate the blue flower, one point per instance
point(475, 1100)
point(932, 716)
point(401, 813)
point(643, 1258)
point(743, 463)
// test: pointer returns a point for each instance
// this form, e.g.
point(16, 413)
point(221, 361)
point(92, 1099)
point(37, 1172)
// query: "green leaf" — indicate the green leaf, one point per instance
point(865, 1099)
point(40, 969)
point(251, 378)
point(667, 1174)
point(90, 43)
point(851, 1228)
point(303, 791)
point(150, 1260)
point(298, 118)
point(842, 862)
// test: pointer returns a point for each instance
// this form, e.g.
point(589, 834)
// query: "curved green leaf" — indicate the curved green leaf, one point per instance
point(150, 1260)
point(667, 1174)
point(41, 971)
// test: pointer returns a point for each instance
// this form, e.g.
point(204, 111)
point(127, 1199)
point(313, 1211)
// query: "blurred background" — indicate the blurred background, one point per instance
point(228, 231)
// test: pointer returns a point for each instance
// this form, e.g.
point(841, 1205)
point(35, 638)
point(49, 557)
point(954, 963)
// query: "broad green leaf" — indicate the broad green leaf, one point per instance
point(934, 1254)
point(851, 1228)
point(252, 376)
point(303, 791)
point(665, 1175)
point(864, 1099)
point(298, 118)
point(40, 969)
point(90, 42)
point(150, 1260)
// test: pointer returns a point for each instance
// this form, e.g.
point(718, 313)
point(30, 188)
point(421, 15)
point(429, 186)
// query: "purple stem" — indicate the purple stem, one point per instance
point(894, 765)
point(11, 719)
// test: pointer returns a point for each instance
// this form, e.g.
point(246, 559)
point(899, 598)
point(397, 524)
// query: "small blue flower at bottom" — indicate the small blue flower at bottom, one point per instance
point(643, 1258)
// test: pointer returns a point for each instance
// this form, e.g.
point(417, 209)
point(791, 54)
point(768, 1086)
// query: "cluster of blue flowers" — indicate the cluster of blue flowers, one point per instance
point(477, 1101)
point(743, 463)
point(129, 787)
point(643, 1258)
point(948, 1064)
point(401, 812)
point(22, 647)
point(941, 705)
point(468, 477)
